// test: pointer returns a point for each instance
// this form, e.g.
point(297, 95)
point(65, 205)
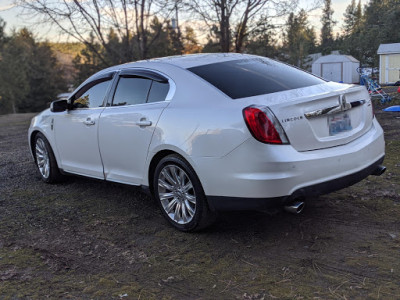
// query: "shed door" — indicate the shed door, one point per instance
point(392, 68)
point(332, 71)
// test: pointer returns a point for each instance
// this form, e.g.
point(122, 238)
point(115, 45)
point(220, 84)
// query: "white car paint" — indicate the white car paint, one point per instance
point(121, 139)
point(206, 127)
point(281, 170)
point(77, 142)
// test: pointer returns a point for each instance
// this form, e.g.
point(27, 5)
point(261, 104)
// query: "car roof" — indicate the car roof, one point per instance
point(184, 61)
point(194, 60)
point(180, 61)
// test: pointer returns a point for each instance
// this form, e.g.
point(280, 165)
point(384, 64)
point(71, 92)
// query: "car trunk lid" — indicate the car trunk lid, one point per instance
point(321, 116)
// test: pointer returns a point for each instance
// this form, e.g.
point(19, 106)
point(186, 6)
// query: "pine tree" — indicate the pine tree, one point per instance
point(212, 44)
point(382, 23)
point(87, 62)
point(3, 37)
point(190, 43)
point(351, 42)
point(30, 77)
point(328, 23)
point(352, 18)
point(299, 39)
point(262, 41)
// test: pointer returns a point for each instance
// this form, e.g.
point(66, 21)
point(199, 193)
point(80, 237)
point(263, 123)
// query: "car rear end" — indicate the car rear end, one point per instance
point(306, 136)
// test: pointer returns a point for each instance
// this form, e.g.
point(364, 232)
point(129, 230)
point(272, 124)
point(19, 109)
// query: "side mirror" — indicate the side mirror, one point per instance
point(59, 106)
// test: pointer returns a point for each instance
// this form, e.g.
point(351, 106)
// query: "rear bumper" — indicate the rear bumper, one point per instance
point(274, 172)
point(221, 203)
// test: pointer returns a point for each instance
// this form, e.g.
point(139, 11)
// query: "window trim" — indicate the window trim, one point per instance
point(143, 74)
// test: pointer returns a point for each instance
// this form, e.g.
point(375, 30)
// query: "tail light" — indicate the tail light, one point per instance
point(263, 125)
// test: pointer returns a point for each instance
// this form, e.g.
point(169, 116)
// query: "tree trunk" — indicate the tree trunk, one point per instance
point(224, 27)
point(240, 35)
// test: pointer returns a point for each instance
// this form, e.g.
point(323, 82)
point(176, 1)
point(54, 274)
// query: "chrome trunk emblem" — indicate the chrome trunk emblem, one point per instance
point(343, 106)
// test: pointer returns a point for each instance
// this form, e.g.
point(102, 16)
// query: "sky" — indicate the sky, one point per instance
point(15, 18)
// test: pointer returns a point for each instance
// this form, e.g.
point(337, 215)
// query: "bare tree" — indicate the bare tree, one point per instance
point(235, 19)
point(251, 9)
point(84, 19)
point(216, 11)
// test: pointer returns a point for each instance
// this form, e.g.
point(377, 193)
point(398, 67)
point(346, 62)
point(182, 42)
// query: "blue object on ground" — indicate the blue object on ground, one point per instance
point(392, 108)
point(374, 89)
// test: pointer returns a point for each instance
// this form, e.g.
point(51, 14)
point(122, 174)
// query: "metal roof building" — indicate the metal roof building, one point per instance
point(339, 68)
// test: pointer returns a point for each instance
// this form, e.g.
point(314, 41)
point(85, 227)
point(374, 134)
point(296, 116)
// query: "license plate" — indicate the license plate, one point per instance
point(339, 123)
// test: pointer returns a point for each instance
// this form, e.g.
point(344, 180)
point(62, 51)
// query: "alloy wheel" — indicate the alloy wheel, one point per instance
point(176, 194)
point(42, 158)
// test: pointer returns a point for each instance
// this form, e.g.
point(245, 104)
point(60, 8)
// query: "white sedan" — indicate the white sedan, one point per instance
point(212, 132)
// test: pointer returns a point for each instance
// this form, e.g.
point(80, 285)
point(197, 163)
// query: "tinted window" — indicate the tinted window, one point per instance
point(93, 97)
point(158, 91)
point(252, 77)
point(131, 90)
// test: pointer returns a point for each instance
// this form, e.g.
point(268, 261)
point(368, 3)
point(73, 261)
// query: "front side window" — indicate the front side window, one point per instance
point(255, 76)
point(92, 97)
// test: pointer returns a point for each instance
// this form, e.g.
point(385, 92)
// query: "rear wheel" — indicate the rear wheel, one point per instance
point(180, 195)
point(45, 160)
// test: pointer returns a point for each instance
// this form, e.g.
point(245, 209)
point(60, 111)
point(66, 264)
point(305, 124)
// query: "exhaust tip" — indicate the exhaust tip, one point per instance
point(379, 171)
point(295, 207)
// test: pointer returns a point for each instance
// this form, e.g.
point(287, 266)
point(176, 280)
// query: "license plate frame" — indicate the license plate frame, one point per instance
point(339, 123)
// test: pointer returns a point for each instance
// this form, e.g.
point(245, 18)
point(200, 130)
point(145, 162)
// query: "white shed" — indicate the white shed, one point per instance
point(389, 63)
point(337, 68)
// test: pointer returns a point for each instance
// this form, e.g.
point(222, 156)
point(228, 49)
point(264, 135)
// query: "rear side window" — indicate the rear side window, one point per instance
point(131, 90)
point(253, 77)
point(158, 91)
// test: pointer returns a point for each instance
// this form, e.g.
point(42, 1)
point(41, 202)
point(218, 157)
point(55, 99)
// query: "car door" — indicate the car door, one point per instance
point(76, 129)
point(128, 122)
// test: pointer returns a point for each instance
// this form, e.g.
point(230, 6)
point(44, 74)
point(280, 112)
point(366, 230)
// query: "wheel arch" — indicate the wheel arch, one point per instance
point(209, 213)
point(32, 144)
point(159, 156)
point(32, 137)
point(153, 164)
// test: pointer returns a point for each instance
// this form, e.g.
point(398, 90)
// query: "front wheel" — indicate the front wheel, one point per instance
point(45, 160)
point(180, 195)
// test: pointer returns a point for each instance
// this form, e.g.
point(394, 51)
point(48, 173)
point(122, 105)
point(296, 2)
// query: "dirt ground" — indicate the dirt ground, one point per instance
point(88, 239)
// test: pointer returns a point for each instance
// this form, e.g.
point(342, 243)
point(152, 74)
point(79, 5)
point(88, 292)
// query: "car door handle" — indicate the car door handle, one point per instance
point(144, 122)
point(89, 122)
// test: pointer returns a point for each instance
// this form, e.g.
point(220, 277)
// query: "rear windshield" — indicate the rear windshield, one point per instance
point(255, 76)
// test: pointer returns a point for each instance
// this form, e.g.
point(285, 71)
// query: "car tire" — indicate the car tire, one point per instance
point(45, 160)
point(179, 193)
